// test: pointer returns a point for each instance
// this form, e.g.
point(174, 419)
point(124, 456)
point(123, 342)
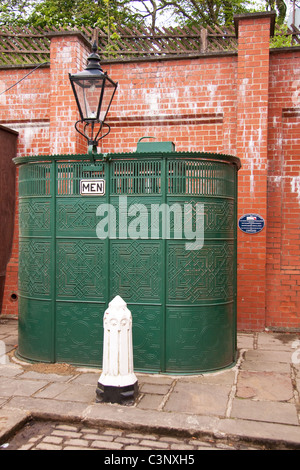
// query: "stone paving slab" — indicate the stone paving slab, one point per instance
point(193, 398)
point(276, 341)
point(266, 367)
point(264, 386)
point(10, 370)
point(226, 377)
point(158, 389)
point(264, 357)
point(11, 421)
point(272, 412)
point(10, 386)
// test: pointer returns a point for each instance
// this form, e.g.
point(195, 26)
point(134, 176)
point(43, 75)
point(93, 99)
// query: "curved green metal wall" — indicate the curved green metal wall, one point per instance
point(183, 301)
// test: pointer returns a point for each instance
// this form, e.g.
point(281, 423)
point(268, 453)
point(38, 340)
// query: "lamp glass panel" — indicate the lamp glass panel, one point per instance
point(108, 93)
point(89, 96)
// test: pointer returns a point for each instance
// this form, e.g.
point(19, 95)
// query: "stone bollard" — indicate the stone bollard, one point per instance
point(117, 383)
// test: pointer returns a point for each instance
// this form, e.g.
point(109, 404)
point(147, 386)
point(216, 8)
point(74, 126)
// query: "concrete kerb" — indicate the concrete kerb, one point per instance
point(269, 435)
point(183, 425)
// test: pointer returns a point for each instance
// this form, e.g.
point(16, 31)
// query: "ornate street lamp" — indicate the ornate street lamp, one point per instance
point(94, 92)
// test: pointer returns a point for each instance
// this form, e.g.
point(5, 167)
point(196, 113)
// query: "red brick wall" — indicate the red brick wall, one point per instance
point(252, 129)
point(67, 55)
point(191, 102)
point(245, 104)
point(24, 108)
point(283, 240)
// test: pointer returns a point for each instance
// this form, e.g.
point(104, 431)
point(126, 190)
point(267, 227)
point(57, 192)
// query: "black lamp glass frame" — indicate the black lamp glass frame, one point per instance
point(93, 75)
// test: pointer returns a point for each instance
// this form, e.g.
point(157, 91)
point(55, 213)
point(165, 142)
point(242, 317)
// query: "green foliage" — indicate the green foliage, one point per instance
point(12, 11)
point(281, 39)
point(65, 13)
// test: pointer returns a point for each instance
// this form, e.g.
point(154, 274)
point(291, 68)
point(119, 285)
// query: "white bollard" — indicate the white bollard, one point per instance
point(117, 383)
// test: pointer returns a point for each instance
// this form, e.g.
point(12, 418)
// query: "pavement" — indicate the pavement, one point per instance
point(256, 401)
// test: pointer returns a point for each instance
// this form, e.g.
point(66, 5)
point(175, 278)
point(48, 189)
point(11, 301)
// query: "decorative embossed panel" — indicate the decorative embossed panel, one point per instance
point(79, 332)
point(146, 334)
point(199, 339)
point(219, 217)
point(34, 216)
point(35, 274)
point(81, 270)
point(215, 216)
point(137, 217)
point(201, 275)
point(135, 270)
point(77, 216)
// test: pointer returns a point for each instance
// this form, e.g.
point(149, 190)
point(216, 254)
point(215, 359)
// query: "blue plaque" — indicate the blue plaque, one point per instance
point(251, 223)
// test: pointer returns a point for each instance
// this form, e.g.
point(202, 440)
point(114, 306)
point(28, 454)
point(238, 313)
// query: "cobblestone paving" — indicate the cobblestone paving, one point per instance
point(60, 436)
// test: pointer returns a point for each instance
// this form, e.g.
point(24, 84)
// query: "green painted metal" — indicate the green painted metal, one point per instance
point(183, 302)
point(149, 147)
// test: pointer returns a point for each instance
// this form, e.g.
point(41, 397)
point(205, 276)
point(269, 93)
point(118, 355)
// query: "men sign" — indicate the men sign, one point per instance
point(92, 187)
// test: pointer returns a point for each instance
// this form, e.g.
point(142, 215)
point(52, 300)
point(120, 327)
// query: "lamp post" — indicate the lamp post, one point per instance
point(94, 92)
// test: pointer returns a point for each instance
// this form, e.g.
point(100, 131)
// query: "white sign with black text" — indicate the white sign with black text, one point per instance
point(92, 187)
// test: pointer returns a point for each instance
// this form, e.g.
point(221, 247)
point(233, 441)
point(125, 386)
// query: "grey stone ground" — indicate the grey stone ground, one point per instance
point(256, 402)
